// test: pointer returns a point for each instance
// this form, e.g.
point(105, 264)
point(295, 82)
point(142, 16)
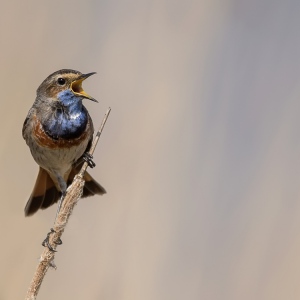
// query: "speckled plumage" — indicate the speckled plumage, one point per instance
point(58, 131)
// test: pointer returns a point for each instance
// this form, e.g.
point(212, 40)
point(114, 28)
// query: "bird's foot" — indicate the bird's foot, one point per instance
point(46, 242)
point(89, 159)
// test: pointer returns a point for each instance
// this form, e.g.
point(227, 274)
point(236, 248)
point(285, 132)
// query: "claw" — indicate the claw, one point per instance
point(46, 243)
point(89, 159)
point(58, 242)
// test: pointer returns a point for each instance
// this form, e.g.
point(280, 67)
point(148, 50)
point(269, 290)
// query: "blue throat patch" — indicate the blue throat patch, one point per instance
point(69, 121)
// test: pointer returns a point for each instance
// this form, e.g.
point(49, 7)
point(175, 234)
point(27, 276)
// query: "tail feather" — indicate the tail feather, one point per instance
point(39, 197)
point(91, 186)
point(33, 205)
point(52, 195)
point(45, 193)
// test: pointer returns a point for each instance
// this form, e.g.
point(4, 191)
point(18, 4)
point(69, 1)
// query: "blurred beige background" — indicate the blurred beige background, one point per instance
point(200, 156)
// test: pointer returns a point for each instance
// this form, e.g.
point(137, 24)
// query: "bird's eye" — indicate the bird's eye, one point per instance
point(61, 81)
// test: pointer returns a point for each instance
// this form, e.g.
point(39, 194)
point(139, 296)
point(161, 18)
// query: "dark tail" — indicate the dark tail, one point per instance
point(45, 193)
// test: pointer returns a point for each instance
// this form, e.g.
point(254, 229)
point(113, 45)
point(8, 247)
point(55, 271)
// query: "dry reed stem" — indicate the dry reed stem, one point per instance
point(73, 194)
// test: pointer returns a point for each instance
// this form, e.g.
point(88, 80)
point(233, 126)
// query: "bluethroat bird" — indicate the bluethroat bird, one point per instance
point(59, 132)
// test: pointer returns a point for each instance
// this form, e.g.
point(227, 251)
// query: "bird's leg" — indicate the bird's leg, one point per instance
point(89, 159)
point(63, 187)
point(63, 194)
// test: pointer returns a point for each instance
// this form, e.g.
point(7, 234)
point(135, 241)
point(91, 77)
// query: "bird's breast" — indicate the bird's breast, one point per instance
point(63, 124)
point(60, 136)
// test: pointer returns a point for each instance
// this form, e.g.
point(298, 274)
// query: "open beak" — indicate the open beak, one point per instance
point(77, 89)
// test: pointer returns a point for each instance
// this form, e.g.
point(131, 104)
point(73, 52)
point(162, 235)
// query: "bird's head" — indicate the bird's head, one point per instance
point(64, 86)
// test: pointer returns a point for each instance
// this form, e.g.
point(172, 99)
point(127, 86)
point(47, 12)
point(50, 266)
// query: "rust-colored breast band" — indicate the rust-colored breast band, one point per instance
point(43, 139)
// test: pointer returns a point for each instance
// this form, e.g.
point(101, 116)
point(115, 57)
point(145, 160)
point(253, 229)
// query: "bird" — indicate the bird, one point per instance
point(59, 132)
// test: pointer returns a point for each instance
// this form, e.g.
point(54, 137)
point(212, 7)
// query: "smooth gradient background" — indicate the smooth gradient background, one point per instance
point(200, 155)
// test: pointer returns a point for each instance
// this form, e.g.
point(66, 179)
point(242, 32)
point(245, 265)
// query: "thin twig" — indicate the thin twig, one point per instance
point(73, 194)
